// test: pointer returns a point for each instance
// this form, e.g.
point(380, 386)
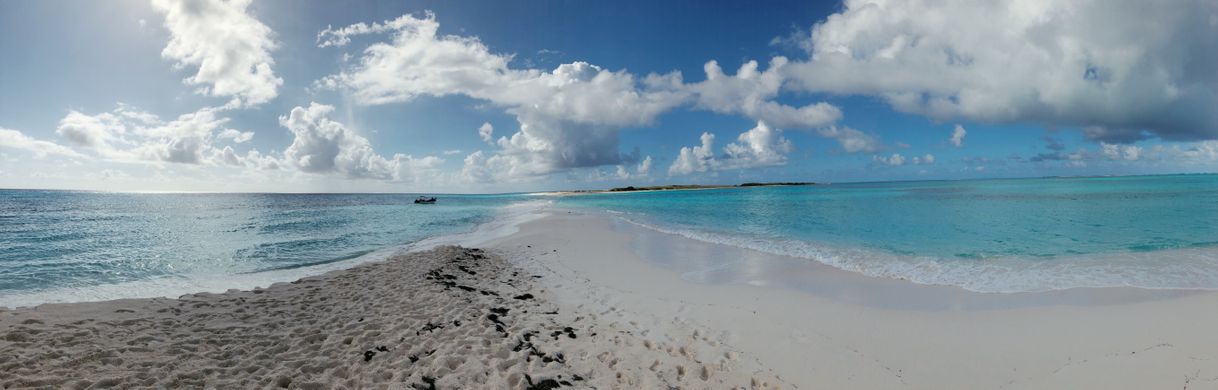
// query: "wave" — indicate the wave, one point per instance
point(1179, 268)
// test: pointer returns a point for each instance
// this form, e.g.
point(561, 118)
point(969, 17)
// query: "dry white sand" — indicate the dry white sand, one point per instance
point(441, 319)
point(839, 330)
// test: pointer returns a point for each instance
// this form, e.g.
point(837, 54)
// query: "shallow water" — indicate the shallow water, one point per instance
point(983, 235)
point(80, 244)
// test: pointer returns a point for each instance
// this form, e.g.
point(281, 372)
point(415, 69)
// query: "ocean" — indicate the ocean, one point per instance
point(1013, 235)
point(64, 246)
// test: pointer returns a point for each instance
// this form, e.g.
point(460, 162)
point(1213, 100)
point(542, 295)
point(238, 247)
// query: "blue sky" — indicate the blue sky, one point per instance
point(213, 95)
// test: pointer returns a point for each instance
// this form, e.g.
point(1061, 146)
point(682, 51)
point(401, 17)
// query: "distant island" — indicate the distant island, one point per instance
point(701, 186)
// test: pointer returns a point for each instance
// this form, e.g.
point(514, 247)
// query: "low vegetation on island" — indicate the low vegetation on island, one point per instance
point(702, 186)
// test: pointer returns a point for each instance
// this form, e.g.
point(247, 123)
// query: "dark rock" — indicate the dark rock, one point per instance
point(429, 383)
point(428, 328)
point(546, 384)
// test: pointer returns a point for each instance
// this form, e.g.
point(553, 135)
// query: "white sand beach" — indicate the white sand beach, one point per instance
point(440, 319)
point(826, 328)
point(583, 301)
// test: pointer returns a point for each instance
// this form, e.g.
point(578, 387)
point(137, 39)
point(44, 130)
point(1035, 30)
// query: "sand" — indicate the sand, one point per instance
point(439, 319)
point(817, 327)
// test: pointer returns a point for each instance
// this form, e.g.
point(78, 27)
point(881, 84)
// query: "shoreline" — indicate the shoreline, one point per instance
point(170, 287)
point(681, 310)
point(447, 317)
point(864, 332)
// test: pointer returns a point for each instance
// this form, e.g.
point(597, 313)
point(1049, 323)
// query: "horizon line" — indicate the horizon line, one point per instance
point(153, 192)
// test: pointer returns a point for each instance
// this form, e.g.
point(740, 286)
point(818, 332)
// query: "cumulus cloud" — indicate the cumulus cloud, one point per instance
point(95, 131)
point(13, 139)
point(1200, 153)
point(896, 159)
point(1204, 151)
point(692, 159)
point(1123, 69)
point(644, 167)
point(322, 145)
point(236, 136)
point(751, 93)
point(569, 116)
point(957, 138)
point(230, 48)
point(852, 140)
point(482, 168)
point(760, 146)
point(486, 132)
point(1120, 152)
point(128, 134)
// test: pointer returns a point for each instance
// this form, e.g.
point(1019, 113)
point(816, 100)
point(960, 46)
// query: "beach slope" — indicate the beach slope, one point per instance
point(445, 318)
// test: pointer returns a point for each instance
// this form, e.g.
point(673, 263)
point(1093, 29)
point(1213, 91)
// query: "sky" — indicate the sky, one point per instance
point(479, 97)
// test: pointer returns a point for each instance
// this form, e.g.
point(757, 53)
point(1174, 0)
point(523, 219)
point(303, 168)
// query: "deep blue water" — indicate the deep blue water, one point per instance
point(986, 235)
point(67, 240)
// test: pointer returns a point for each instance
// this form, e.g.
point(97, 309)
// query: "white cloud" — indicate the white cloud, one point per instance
point(236, 136)
point(622, 173)
point(451, 152)
point(896, 159)
point(13, 139)
point(1120, 152)
point(480, 168)
point(852, 141)
point(95, 131)
point(695, 159)
point(1197, 151)
point(957, 138)
point(486, 132)
point(128, 134)
point(644, 167)
point(569, 117)
point(230, 48)
point(751, 93)
point(760, 146)
point(1054, 62)
point(342, 36)
point(324, 146)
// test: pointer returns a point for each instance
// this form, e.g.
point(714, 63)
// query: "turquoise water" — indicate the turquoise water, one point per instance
point(71, 245)
point(984, 235)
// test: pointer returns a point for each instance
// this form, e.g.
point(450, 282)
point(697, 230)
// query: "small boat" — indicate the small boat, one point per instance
point(425, 200)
